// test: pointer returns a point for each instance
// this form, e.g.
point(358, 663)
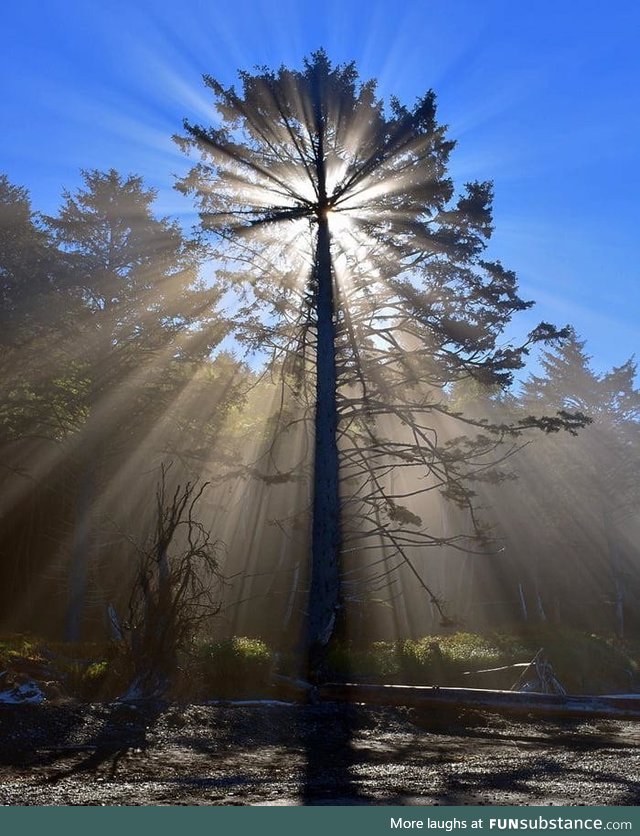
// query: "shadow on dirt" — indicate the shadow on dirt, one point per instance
point(126, 727)
point(308, 754)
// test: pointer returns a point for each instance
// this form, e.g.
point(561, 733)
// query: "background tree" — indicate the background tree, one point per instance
point(110, 333)
point(148, 318)
point(35, 305)
point(594, 484)
point(39, 396)
point(362, 269)
point(564, 514)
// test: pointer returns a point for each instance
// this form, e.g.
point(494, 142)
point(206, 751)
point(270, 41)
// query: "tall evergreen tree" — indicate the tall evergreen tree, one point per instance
point(39, 395)
point(35, 305)
point(335, 214)
point(147, 319)
point(107, 368)
point(25, 261)
point(600, 472)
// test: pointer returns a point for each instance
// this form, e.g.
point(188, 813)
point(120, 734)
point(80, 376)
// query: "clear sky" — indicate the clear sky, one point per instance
point(543, 98)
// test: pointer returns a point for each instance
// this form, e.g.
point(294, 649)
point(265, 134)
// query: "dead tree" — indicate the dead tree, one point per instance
point(176, 588)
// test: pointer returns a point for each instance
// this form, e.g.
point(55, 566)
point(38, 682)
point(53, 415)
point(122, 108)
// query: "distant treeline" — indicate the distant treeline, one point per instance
point(120, 351)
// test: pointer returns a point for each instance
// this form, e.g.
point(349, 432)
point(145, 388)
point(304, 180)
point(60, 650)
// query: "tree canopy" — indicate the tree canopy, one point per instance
point(361, 267)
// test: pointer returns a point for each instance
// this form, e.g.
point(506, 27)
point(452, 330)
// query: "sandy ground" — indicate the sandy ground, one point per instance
point(324, 754)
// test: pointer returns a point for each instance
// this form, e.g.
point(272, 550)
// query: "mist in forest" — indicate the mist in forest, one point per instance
point(138, 359)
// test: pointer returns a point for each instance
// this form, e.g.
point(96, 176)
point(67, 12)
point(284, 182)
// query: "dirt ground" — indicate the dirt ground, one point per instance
point(319, 754)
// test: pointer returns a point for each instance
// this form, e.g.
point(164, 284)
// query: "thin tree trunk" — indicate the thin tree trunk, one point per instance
point(615, 568)
point(523, 602)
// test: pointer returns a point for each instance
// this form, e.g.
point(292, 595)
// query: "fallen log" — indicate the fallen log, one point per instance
point(624, 707)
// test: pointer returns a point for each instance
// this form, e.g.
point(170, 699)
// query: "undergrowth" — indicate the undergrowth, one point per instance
point(583, 663)
point(242, 667)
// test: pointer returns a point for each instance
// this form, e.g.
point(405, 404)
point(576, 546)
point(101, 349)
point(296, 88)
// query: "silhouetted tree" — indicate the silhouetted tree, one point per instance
point(360, 266)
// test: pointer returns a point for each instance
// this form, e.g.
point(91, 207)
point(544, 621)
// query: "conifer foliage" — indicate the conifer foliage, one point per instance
point(362, 268)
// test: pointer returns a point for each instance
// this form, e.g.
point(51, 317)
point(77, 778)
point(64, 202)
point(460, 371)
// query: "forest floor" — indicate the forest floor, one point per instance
point(169, 754)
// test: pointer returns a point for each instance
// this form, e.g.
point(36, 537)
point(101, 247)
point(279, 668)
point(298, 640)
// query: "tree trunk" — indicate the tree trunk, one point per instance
point(80, 553)
point(615, 567)
point(523, 602)
point(324, 586)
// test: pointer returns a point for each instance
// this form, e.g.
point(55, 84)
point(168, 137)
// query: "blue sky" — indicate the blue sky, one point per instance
point(543, 98)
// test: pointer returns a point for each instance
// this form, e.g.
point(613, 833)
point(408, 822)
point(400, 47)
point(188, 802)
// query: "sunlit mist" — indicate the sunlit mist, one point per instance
point(146, 354)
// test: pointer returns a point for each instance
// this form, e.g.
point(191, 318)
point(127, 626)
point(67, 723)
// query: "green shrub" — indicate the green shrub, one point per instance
point(236, 667)
point(87, 680)
point(432, 660)
point(446, 660)
point(582, 663)
point(379, 662)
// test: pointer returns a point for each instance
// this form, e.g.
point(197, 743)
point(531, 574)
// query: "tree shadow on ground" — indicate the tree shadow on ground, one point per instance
point(542, 780)
point(330, 758)
point(126, 727)
point(29, 731)
point(326, 753)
